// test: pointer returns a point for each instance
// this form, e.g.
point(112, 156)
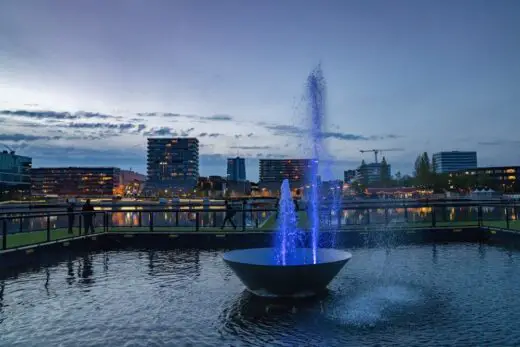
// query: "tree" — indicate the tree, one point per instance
point(384, 172)
point(423, 171)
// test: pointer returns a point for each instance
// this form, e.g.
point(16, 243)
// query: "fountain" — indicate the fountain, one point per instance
point(290, 268)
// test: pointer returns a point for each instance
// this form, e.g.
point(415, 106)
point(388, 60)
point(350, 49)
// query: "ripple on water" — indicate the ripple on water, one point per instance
point(420, 295)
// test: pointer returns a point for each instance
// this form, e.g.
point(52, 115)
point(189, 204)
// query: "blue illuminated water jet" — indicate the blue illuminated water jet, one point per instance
point(316, 95)
point(287, 234)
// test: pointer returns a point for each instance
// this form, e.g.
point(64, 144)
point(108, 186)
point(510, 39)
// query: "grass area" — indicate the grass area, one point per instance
point(35, 237)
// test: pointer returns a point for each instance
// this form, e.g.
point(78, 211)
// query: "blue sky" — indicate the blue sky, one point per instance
point(84, 82)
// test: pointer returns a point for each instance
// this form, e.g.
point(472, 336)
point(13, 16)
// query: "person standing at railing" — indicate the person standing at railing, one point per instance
point(88, 217)
point(70, 215)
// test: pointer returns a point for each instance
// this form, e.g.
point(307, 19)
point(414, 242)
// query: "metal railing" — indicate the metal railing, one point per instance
point(27, 228)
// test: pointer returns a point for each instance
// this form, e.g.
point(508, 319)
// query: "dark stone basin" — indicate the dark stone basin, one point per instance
point(258, 270)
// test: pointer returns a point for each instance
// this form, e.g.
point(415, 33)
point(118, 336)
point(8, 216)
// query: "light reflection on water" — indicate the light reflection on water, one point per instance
point(419, 295)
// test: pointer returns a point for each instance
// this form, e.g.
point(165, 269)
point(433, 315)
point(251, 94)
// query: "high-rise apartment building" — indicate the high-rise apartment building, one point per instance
point(276, 170)
point(236, 169)
point(444, 162)
point(173, 164)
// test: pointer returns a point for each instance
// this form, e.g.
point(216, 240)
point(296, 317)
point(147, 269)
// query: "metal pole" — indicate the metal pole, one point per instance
point(434, 220)
point(507, 217)
point(197, 221)
point(151, 221)
point(4, 234)
point(48, 228)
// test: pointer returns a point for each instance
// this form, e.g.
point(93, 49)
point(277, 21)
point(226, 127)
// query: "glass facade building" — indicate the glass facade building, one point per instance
point(15, 175)
point(236, 169)
point(454, 161)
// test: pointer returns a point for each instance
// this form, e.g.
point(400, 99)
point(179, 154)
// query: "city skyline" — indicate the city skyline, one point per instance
point(432, 77)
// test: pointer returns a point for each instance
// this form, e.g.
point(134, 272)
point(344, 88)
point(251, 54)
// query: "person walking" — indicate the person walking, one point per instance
point(88, 217)
point(70, 215)
point(230, 213)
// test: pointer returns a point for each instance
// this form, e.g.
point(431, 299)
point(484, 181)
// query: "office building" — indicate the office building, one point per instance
point(445, 162)
point(76, 181)
point(173, 165)
point(236, 169)
point(15, 175)
point(499, 178)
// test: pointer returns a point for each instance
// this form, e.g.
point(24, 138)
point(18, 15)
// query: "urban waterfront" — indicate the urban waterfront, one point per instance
point(428, 295)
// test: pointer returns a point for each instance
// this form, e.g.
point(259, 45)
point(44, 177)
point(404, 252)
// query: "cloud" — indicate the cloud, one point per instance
point(250, 147)
point(120, 126)
point(24, 137)
point(167, 131)
point(291, 130)
point(218, 117)
point(55, 115)
point(499, 143)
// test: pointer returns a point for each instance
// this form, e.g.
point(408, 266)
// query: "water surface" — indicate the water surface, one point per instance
point(463, 295)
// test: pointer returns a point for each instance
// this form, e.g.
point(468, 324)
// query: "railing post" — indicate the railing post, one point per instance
point(406, 214)
point(434, 219)
point(214, 215)
point(479, 215)
point(140, 214)
point(386, 216)
point(507, 217)
point(177, 218)
point(244, 219)
point(80, 222)
point(4, 234)
point(48, 228)
point(368, 215)
point(197, 221)
point(150, 217)
point(105, 221)
point(21, 223)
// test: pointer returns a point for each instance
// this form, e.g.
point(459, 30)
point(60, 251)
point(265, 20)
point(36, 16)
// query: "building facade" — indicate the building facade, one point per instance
point(236, 169)
point(76, 181)
point(172, 165)
point(349, 176)
point(372, 173)
point(454, 161)
point(499, 178)
point(276, 170)
point(15, 175)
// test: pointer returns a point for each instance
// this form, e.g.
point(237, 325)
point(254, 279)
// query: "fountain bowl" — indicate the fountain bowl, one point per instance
point(260, 272)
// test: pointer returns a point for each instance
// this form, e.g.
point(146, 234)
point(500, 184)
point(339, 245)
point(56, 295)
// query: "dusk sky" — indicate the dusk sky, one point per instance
point(85, 82)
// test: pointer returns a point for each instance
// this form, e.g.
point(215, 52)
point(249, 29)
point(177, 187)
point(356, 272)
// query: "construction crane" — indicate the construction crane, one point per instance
point(9, 148)
point(377, 151)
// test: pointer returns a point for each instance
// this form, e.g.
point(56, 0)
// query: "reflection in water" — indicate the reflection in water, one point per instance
point(70, 271)
point(482, 251)
point(87, 271)
point(434, 254)
point(47, 279)
point(105, 262)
